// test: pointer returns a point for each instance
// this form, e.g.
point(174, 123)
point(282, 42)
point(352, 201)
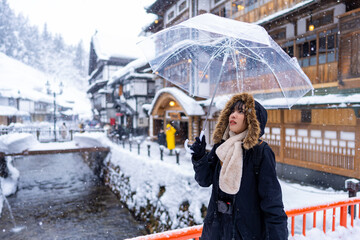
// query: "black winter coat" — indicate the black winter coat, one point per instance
point(258, 211)
point(258, 208)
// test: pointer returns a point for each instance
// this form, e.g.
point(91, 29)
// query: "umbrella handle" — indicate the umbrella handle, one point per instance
point(186, 146)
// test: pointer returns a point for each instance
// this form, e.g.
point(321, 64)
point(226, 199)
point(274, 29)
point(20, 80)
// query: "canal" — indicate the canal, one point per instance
point(59, 197)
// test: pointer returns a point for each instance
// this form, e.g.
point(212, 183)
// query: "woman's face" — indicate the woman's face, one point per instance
point(237, 121)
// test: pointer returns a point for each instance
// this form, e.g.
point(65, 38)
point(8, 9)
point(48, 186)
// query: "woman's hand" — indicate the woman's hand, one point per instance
point(198, 148)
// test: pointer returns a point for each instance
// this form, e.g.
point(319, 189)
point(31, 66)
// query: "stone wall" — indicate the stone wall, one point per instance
point(151, 211)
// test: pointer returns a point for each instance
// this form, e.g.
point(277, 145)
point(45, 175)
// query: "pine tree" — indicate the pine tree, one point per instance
point(7, 33)
point(79, 59)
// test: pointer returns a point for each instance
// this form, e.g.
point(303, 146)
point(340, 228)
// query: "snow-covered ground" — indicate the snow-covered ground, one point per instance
point(146, 174)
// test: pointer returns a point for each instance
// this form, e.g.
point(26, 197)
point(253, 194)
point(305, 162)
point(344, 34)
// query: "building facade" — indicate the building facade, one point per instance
point(103, 63)
point(133, 86)
point(321, 133)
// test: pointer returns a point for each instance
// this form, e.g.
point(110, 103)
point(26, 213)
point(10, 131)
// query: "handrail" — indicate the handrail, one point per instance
point(177, 234)
point(310, 209)
point(343, 205)
point(195, 231)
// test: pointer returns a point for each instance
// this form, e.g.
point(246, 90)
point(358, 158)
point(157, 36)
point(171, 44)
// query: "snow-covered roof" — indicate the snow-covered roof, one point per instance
point(340, 100)
point(111, 45)
point(190, 106)
point(218, 102)
point(68, 112)
point(29, 94)
point(146, 107)
point(282, 12)
point(11, 111)
point(141, 75)
point(130, 67)
point(96, 83)
point(103, 90)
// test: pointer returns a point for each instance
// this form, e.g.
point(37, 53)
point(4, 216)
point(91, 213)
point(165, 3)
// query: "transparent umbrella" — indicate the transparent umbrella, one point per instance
point(209, 56)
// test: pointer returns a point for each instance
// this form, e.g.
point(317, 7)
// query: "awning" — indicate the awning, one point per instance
point(190, 106)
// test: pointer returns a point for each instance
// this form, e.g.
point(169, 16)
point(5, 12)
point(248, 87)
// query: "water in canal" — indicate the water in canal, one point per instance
point(59, 197)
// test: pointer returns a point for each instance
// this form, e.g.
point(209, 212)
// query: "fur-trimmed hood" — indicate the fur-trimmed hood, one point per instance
point(256, 117)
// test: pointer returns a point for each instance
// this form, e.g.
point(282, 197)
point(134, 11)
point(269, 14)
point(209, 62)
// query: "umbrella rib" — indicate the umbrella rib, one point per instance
point(217, 53)
point(217, 84)
point(174, 53)
point(272, 71)
point(233, 56)
point(179, 50)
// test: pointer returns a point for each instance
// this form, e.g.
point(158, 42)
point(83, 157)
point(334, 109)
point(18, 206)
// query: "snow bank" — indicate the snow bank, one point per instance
point(86, 139)
point(12, 143)
point(147, 175)
point(18, 142)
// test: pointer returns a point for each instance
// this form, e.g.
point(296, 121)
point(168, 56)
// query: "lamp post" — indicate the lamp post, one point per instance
point(54, 95)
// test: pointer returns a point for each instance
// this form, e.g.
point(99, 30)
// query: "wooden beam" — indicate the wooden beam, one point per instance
point(357, 149)
point(282, 136)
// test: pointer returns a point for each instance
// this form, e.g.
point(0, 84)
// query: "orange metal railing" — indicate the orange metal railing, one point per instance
point(343, 205)
point(195, 231)
point(178, 234)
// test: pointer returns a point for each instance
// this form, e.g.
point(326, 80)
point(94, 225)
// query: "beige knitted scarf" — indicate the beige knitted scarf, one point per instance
point(230, 154)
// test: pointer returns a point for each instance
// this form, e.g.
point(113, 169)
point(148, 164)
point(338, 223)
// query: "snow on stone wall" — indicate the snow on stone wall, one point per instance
point(164, 195)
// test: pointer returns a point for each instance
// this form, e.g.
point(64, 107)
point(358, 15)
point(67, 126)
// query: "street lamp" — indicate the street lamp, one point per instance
point(48, 88)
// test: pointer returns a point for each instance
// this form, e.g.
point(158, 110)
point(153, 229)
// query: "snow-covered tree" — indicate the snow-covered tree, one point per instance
point(42, 50)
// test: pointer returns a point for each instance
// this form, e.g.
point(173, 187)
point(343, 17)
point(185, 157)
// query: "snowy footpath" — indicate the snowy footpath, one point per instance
point(148, 174)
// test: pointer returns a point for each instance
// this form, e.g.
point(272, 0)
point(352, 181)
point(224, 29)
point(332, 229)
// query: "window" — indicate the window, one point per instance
point(328, 46)
point(289, 48)
point(237, 6)
point(307, 51)
point(355, 54)
point(321, 19)
point(219, 11)
point(171, 15)
point(250, 4)
point(182, 6)
point(306, 115)
point(327, 49)
point(278, 34)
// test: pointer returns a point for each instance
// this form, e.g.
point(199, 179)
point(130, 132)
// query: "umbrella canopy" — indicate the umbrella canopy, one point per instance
point(209, 55)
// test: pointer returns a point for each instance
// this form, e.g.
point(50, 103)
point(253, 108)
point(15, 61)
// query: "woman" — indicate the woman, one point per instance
point(246, 200)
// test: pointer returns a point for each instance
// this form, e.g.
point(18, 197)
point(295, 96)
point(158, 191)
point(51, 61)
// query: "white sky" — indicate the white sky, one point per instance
point(79, 19)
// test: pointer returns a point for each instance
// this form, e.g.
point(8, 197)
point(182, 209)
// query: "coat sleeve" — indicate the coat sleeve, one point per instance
point(204, 168)
point(271, 198)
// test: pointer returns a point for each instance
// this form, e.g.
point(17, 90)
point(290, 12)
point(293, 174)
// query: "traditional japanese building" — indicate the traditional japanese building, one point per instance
point(319, 138)
point(104, 60)
point(133, 86)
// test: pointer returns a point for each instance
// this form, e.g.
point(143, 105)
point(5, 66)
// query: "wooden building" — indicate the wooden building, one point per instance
point(133, 86)
point(319, 138)
point(104, 60)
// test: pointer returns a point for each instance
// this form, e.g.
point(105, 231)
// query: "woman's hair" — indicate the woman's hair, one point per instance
point(237, 106)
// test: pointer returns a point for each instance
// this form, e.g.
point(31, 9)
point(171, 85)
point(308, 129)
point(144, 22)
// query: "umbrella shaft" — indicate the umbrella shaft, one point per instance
point(216, 86)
